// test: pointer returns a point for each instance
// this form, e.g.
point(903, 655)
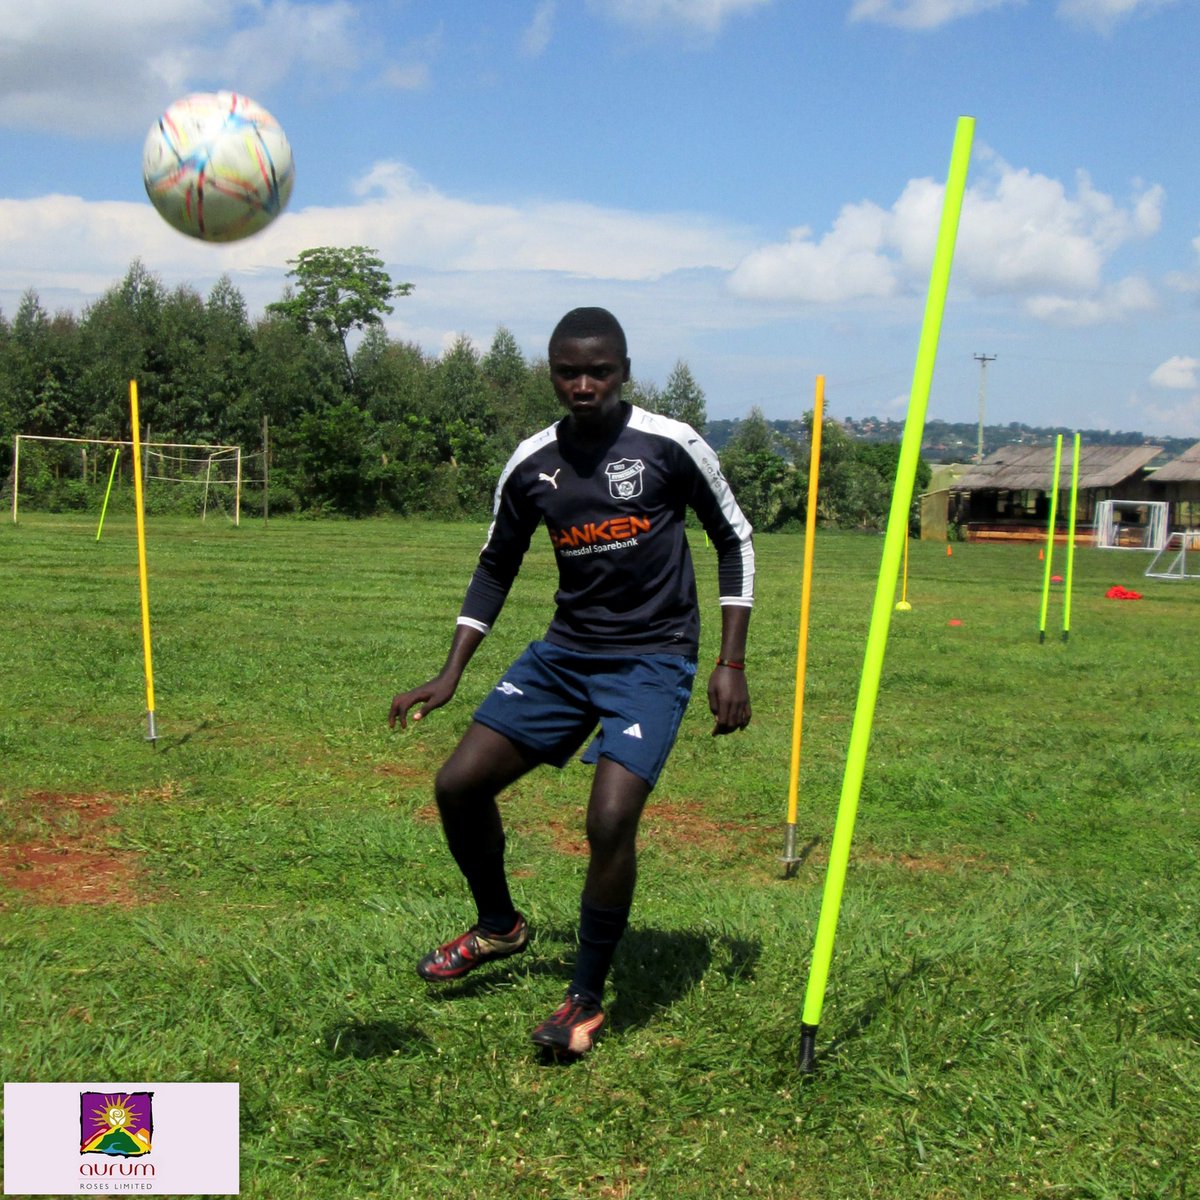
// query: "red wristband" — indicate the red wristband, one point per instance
point(728, 662)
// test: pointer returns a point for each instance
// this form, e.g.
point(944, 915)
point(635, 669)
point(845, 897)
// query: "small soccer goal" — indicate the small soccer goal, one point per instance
point(60, 474)
point(1172, 561)
point(1131, 525)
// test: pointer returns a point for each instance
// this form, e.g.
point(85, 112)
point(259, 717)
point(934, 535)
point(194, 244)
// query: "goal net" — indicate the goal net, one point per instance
point(54, 474)
point(1131, 524)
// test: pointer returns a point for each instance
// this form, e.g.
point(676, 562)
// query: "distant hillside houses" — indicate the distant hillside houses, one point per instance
point(950, 441)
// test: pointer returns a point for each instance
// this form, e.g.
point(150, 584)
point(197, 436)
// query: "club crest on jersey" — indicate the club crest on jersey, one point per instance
point(625, 478)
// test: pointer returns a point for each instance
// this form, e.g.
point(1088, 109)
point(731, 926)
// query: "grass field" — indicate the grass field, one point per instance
point(1014, 1001)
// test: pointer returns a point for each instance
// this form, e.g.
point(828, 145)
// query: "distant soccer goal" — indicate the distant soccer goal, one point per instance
point(60, 474)
point(1175, 553)
point(1131, 524)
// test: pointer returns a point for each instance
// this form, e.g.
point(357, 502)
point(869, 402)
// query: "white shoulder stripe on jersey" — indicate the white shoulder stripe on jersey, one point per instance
point(709, 465)
point(531, 445)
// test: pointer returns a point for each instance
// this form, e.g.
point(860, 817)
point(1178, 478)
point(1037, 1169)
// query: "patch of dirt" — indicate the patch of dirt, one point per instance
point(405, 773)
point(936, 864)
point(60, 859)
point(666, 822)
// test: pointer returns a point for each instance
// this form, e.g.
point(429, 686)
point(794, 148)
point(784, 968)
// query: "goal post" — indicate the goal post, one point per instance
point(1131, 524)
point(67, 473)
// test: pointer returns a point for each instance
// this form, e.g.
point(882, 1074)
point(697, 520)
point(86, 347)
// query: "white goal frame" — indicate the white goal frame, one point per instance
point(206, 455)
point(1180, 543)
point(1109, 528)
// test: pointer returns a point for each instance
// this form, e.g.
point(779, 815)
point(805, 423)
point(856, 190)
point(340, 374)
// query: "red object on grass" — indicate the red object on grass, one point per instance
point(1117, 592)
point(955, 621)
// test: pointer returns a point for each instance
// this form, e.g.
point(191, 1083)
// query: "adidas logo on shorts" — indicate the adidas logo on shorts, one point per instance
point(634, 731)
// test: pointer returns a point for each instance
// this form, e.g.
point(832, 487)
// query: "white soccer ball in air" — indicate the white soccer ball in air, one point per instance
point(217, 166)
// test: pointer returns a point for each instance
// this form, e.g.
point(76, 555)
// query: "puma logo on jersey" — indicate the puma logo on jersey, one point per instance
point(551, 479)
point(634, 731)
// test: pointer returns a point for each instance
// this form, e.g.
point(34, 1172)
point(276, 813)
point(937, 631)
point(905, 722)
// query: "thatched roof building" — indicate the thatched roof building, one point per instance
point(1008, 494)
point(1184, 469)
point(1029, 468)
point(1178, 483)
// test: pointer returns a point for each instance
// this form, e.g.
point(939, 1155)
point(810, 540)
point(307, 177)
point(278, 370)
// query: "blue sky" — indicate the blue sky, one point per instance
point(751, 185)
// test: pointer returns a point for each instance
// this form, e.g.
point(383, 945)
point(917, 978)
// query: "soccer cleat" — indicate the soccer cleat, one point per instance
point(472, 949)
point(571, 1029)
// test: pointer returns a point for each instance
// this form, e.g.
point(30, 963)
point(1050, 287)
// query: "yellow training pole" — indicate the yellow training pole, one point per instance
point(885, 591)
point(810, 530)
point(1050, 537)
point(141, 541)
point(902, 605)
point(1071, 541)
point(107, 492)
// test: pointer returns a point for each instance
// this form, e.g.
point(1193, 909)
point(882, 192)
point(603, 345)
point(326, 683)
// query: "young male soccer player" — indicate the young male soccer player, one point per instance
point(612, 483)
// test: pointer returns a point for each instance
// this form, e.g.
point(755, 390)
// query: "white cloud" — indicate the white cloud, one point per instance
point(848, 263)
point(1111, 303)
point(1181, 419)
point(922, 14)
point(412, 78)
point(88, 67)
point(402, 215)
point(537, 35)
point(414, 227)
point(1021, 234)
point(1104, 15)
point(1178, 373)
point(703, 16)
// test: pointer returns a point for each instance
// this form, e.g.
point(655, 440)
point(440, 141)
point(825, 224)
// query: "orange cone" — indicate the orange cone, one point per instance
point(949, 550)
point(1041, 555)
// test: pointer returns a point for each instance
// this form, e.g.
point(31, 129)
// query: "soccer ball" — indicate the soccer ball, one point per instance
point(217, 166)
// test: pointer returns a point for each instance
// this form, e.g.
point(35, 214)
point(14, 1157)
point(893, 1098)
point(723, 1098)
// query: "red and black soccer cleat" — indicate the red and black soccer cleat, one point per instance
point(571, 1029)
point(472, 949)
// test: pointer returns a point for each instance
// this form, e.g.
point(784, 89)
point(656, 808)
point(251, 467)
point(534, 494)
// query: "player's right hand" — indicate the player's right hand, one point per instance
point(429, 695)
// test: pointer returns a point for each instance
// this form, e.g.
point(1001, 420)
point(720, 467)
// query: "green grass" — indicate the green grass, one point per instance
point(1013, 1006)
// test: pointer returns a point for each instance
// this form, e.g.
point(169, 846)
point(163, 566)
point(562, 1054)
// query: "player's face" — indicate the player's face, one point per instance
point(587, 374)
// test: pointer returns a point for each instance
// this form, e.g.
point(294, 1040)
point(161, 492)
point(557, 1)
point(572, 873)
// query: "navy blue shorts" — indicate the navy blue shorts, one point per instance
point(551, 698)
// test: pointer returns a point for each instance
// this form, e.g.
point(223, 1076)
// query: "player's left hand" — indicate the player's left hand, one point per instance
point(728, 700)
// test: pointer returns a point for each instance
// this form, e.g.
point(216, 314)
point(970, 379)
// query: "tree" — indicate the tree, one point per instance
point(683, 398)
point(340, 288)
point(759, 477)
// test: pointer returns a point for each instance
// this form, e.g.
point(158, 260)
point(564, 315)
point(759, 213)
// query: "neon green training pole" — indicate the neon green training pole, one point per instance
point(1050, 537)
point(107, 492)
point(885, 591)
point(1071, 540)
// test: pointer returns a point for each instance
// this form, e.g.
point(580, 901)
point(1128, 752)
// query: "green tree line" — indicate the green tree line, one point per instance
point(357, 423)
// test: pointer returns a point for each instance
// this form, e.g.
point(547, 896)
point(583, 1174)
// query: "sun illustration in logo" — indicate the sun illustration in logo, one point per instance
point(115, 1124)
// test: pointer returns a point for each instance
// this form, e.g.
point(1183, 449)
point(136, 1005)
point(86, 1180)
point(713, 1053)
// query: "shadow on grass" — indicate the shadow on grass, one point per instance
point(374, 1039)
point(656, 967)
point(166, 745)
point(652, 970)
point(861, 1020)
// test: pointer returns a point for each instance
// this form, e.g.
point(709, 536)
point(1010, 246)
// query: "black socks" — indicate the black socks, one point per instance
point(600, 931)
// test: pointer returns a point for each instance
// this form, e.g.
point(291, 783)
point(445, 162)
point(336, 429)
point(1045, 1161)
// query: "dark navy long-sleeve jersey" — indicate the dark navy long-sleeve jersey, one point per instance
point(615, 516)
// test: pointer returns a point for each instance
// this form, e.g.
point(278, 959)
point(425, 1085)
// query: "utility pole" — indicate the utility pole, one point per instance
point(982, 360)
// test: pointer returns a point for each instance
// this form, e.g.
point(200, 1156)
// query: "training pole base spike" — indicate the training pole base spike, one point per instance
point(1066, 634)
point(1041, 636)
point(808, 1048)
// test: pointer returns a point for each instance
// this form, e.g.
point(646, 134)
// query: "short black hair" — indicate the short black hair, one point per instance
point(582, 323)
